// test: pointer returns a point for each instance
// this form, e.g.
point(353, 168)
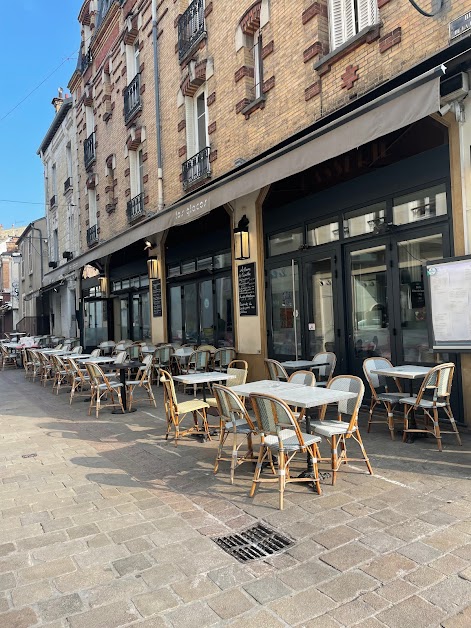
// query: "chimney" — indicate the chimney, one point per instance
point(58, 100)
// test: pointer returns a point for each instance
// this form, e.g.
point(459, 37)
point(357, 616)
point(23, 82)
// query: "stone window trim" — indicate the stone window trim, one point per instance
point(250, 21)
point(367, 35)
point(195, 78)
point(247, 108)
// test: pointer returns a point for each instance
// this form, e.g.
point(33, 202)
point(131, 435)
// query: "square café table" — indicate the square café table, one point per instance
point(296, 365)
point(202, 378)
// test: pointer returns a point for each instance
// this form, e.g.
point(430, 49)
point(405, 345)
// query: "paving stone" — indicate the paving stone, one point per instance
point(347, 556)
point(411, 612)
point(78, 532)
point(381, 541)
point(267, 589)
point(461, 620)
point(18, 618)
point(7, 548)
point(99, 540)
point(365, 525)
point(56, 524)
point(230, 603)
point(261, 619)
point(116, 590)
point(196, 615)
point(136, 546)
point(348, 586)
point(137, 562)
point(389, 516)
point(162, 575)
point(133, 532)
point(307, 574)
point(449, 564)
point(56, 608)
point(302, 606)
point(324, 621)
point(375, 601)
point(397, 590)
point(192, 589)
point(46, 570)
point(84, 579)
point(333, 537)
point(423, 577)
point(35, 517)
point(153, 622)
point(451, 595)
point(59, 550)
point(464, 552)
point(155, 602)
point(231, 576)
point(101, 555)
point(4, 606)
point(111, 616)
point(388, 567)
point(419, 552)
point(7, 581)
point(352, 612)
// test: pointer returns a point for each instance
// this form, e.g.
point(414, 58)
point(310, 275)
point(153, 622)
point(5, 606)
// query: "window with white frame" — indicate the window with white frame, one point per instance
point(132, 61)
point(53, 185)
point(89, 120)
point(196, 123)
point(30, 254)
point(136, 174)
point(349, 17)
point(68, 155)
point(92, 209)
point(55, 245)
point(71, 228)
point(256, 46)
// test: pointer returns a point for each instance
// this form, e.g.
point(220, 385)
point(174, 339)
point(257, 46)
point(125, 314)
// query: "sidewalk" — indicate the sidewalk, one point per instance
point(105, 524)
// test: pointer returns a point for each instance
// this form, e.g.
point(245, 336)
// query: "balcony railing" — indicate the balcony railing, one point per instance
point(67, 184)
point(190, 28)
point(89, 150)
point(92, 235)
point(135, 207)
point(132, 98)
point(196, 168)
point(86, 61)
point(53, 201)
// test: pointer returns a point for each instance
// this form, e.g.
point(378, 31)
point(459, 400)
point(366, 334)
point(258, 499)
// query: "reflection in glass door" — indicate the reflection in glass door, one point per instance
point(190, 310)
point(321, 326)
point(369, 322)
point(95, 327)
point(207, 313)
point(284, 326)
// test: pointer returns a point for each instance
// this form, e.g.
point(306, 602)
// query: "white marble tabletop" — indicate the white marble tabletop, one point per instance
point(202, 378)
point(294, 394)
point(95, 360)
point(183, 352)
point(406, 371)
point(302, 364)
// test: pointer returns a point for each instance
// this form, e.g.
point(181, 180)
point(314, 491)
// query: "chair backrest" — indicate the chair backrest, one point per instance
point(437, 382)
point(223, 357)
point(326, 372)
point(95, 353)
point(77, 350)
point(273, 416)
point(230, 406)
point(349, 407)
point(307, 378)
point(199, 360)
point(134, 350)
point(97, 376)
point(59, 346)
point(121, 357)
point(163, 354)
point(74, 369)
point(209, 348)
point(170, 397)
point(275, 371)
point(239, 376)
point(377, 383)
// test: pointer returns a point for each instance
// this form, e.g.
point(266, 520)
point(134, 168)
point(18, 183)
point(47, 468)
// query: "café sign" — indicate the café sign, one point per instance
point(460, 25)
point(192, 210)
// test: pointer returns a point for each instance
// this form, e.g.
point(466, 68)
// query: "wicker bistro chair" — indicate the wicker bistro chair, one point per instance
point(434, 394)
point(143, 381)
point(27, 363)
point(77, 350)
point(198, 363)
point(238, 369)
point(60, 372)
point(107, 346)
point(162, 358)
point(222, 358)
point(306, 378)
point(79, 380)
point(280, 435)
point(176, 412)
point(337, 432)
point(380, 393)
point(235, 421)
point(325, 373)
point(211, 348)
point(36, 370)
point(95, 353)
point(45, 370)
point(8, 358)
point(102, 388)
point(275, 371)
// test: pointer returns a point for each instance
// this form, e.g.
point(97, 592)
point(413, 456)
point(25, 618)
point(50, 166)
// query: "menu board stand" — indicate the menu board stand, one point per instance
point(247, 290)
point(156, 298)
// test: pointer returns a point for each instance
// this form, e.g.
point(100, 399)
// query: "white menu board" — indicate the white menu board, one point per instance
point(449, 303)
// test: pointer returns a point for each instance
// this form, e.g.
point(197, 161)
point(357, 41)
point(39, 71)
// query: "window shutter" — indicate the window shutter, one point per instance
point(190, 127)
point(367, 13)
point(341, 21)
point(349, 19)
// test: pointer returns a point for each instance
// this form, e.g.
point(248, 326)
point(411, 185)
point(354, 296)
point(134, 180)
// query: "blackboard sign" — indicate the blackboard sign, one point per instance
point(156, 297)
point(247, 290)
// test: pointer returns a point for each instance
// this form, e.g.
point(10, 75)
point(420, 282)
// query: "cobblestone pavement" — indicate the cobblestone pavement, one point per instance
point(109, 525)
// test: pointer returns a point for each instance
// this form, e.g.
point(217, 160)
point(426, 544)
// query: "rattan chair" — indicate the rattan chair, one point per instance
point(36, 370)
point(162, 358)
point(61, 374)
point(95, 353)
point(222, 358)
point(197, 363)
point(27, 363)
point(45, 371)
point(8, 359)
point(107, 347)
point(238, 370)
point(79, 379)
point(380, 392)
point(235, 421)
point(434, 394)
point(281, 440)
point(275, 371)
point(102, 388)
point(143, 381)
point(337, 432)
point(325, 373)
point(176, 412)
point(77, 350)
point(306, 378)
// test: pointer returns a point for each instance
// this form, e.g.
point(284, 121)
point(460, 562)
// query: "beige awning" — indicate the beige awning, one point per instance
point(398, 108)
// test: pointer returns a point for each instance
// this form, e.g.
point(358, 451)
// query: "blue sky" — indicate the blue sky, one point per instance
point(36, 37)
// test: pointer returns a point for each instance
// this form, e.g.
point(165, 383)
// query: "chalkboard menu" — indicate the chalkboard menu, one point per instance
point(156, 297)
point(247, 290)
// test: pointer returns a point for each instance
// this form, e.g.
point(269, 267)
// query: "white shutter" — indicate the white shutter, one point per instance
point(341, 21)
point(367, 13)
point(190, 127)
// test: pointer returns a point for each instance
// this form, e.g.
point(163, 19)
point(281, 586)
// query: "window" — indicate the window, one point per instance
point(54, 181)
point(30, 254)
point(136, 166)
point(89, 120)
point(196, 124)
point(132, 61)
point(55, 246)
point(364, 220)
point(286, 242)
point(71, 228)
point(68, 154)
point(92, 217)
point(349, 17)
point(322, 234)
point(257, 64)
point(420, 205)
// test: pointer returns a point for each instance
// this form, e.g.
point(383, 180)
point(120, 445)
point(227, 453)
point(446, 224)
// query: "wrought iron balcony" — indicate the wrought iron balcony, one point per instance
point(89, 150)
point(135, 207)
point(53, 201)
point(67, 184)
point(92, 235)
point(196, 168)
point(132, 98)
point(190, 28)
point(86, 61)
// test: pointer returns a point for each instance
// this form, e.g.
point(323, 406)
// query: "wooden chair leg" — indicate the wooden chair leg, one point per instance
point(233, 456)
point(333, 444)
point(281, 475)
point(258, 469)
point(363, 451)
point(449, 414)
point(436, 429)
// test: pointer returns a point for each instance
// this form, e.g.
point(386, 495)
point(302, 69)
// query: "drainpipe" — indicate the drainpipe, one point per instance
point(40, 250)
point(160, 189)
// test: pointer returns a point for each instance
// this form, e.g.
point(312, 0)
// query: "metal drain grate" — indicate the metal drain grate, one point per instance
point(255, 542)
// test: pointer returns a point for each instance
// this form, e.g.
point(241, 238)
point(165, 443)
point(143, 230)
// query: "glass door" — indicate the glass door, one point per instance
point(190, 313)
point(95, 322)
point(320, 322)
point(284, 324)
point(207, 325)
